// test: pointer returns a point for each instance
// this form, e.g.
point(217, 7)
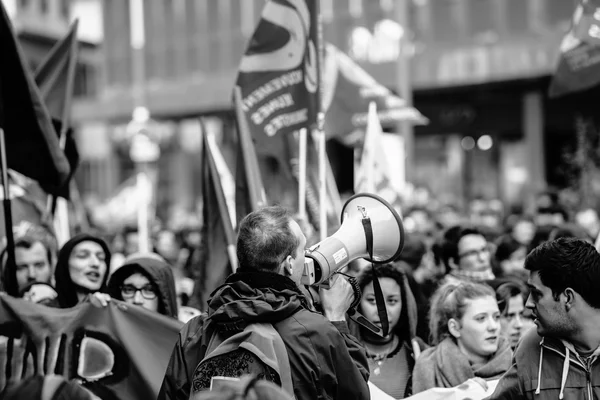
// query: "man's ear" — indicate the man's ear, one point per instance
point(570, 298)
point(454, 328)
point(286, 268)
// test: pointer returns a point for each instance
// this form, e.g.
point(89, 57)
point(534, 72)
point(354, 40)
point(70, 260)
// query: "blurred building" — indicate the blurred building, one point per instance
point(479, 70)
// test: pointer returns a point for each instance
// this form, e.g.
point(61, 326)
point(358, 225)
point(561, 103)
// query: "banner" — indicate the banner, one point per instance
point(124, 348)
point(579, 64)
point(469, 390)
point(278, 73)
point(347, 91)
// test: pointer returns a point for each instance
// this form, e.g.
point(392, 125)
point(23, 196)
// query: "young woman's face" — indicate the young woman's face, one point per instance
point(87, 265)
point(513, 324)
point(392, 295)
point(478, 331)
point(138, 290)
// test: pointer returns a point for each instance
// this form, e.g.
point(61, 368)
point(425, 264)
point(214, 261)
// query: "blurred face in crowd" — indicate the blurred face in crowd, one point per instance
point(515, 263)
point(131, 243)
point(477, 333)
point(589, 221)
point(523, 232)
point(139, 291)
point(87, 265)
point(514, 322)
point(32, 265)
point(549, 313)
point(297, 261)
point(166, 245)
point(392, 294)
point(473, 253)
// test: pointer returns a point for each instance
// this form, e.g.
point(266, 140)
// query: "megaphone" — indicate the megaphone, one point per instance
point(371, 229)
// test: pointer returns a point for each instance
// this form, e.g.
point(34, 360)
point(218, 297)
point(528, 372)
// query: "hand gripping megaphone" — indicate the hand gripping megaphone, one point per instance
point(371, 229)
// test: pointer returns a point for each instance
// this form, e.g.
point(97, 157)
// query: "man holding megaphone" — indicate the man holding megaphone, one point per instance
point(320, 358)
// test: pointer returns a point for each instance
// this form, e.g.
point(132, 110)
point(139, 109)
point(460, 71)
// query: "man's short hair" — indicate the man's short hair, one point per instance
point(568, 263)
point(265, 239)
point(451, 239)
point(26, 242)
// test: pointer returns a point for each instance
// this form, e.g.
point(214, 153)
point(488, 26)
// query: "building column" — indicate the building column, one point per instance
point(533, 131)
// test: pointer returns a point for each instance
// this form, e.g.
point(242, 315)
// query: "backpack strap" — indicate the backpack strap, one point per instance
point(262, 340)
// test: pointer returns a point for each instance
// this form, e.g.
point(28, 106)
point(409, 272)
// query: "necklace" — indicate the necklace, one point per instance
point(380, 357)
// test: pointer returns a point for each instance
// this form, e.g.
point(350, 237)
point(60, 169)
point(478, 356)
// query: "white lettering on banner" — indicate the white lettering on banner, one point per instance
point(278, 103)
point(285, 120)
point(281, 82)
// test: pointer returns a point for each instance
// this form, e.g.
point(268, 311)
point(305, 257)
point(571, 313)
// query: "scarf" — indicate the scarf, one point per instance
point(446, 366)
point(473, 276)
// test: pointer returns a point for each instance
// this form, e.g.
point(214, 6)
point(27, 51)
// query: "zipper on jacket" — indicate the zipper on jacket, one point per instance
point(587, 369)
point(588, 379)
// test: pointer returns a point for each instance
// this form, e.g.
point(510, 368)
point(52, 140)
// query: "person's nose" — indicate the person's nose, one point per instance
point(518, 322)
point(493, 324)
point(529, 303)
point(137, 298)
point(31, 272)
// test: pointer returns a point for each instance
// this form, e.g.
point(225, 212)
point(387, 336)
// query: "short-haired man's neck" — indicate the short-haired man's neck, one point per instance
point(586, 338)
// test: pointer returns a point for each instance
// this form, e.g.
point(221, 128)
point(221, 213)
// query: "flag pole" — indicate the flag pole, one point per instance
point(320, 130)
point(403, 74)
point(302, 138)
point(10, 239)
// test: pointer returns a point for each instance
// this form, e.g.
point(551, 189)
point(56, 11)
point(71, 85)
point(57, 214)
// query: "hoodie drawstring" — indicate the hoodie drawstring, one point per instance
point(565, 372)
point(539, 386)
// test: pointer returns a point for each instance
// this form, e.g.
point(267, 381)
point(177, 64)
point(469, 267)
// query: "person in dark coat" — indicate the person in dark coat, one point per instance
point(325, 361)
point(145, 280)
point(81, 269)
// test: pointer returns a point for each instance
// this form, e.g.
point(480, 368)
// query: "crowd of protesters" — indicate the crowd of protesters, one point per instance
point(470, 298)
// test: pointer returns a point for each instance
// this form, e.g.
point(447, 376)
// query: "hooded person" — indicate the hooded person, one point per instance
point(391, 358)
point(145, 280)
point(81, 269)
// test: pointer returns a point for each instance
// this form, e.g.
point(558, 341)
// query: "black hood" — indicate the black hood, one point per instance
point(156, 269)
point(66, 289)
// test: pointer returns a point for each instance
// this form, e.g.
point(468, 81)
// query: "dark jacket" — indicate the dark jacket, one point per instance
point(326, 361)
point(545, 368)
point(157, 271)
point(66, 289)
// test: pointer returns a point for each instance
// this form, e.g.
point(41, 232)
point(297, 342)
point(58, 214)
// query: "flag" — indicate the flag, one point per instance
point(373, 175)
point(55, 77)
point(278, 83)
point(32, 147)
point(579, 63)
point(121, 349)
point(217, 230)
point(249, 188)
point(278, 73)
point(347, 92)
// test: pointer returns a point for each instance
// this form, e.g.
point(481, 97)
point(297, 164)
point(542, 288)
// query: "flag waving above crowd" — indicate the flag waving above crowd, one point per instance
point(348, 90)
point(31, 142)
point(278, 72)
point(579, 63)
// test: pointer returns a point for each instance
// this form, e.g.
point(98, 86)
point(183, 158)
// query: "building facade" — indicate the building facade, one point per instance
point(479, 70)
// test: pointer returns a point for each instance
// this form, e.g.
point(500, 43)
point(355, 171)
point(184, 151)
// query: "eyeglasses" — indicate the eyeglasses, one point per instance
point(129, 291)
point(474, 253)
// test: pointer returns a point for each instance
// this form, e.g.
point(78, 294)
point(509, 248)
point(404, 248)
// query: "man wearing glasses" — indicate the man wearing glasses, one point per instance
point(467, 255)
point(146, 281)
